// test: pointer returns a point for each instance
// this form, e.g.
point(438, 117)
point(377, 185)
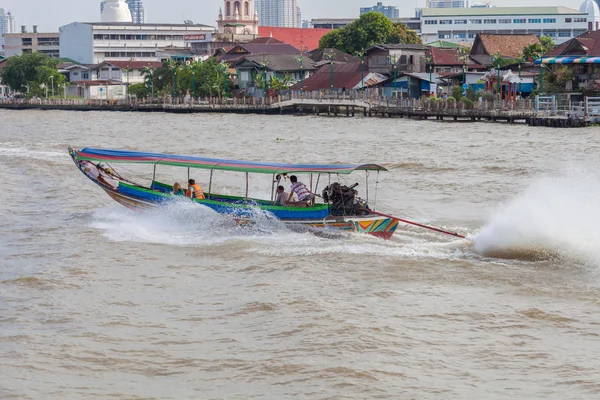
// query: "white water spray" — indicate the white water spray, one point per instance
point(554, 217)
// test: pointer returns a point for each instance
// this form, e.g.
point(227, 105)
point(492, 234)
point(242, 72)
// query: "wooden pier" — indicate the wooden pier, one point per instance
point(336, 105)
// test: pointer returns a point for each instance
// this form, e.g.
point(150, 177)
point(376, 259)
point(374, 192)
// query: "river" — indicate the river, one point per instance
point(97, 301)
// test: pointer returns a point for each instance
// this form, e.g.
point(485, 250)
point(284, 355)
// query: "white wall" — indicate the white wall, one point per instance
point(460, 32)
point(76, 42)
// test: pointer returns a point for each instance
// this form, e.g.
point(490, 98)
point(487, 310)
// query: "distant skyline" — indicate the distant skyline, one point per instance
point(62, 12)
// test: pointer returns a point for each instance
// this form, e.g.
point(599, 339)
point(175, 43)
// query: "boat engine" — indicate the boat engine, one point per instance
point(343, 200)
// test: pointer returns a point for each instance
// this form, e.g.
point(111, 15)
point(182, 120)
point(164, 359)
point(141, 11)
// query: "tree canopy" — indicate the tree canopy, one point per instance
point(32, 74)
point(207, 77)
point(370, 29)
point(535, 51)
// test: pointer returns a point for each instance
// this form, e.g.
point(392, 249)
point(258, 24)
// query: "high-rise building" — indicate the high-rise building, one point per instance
point(7, 25)
point(137, 11)
point(388, 11)
point(281, 13)
point(298, 17)
point(136, 8)
point(447, 3)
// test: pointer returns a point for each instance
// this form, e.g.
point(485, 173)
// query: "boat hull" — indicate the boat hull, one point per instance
point(135, 197)
point(380, 227)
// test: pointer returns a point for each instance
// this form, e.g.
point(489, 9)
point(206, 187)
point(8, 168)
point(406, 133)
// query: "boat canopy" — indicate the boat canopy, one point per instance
point(133, 157)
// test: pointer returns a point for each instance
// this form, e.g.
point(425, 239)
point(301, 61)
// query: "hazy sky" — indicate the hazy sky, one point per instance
point(49, 15)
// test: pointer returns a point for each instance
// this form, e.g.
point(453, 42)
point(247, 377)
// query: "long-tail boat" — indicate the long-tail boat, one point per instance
point(341, 207)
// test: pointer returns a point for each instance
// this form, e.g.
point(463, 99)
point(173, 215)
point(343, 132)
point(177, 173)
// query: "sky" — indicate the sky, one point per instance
point(49, 15)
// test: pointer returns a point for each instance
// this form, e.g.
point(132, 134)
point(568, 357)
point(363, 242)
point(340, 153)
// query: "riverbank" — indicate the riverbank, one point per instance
point(334, 106)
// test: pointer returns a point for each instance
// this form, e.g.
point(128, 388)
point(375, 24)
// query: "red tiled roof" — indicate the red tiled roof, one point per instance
point(134, 64)
point(509, 45)
point(265, 40)
point(451, 57)
point(306, 39)
point(242, 50)
point(589, 40)
point(346, 75)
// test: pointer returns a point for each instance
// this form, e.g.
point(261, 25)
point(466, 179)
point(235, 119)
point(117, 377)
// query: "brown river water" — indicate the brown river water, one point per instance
point(100, 302)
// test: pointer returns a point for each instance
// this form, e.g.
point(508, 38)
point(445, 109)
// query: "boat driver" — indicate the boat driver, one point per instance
point(194, 190)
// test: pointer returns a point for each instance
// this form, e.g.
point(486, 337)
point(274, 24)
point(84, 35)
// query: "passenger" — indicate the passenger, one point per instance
point(194, 191)
point(177, 190)
point(282, 196)
point(304, 195)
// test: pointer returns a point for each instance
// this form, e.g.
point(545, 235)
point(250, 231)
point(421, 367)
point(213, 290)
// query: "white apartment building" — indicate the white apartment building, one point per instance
point(463, 24)
point(92, 43)
point(281, 13)
point(447, 3)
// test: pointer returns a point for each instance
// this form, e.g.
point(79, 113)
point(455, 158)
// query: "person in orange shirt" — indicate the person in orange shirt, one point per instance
point(194, 191)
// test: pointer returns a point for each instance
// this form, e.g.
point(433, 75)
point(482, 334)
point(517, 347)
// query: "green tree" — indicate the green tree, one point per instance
point(370, 29)
point(537, 50)
point(32, 73)
point(138, 90)
point(403, 34)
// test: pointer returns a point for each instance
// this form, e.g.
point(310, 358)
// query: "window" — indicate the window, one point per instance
point(475, 21)
point(26, 42)
point(568, 20)
point(564, 34)
point(460, 36)
point(551, 34)
point(520, 21)
point(430, 22)
point(75, 73)
point(579, 19)
point(445, 22)
point(535, 20)
point(472, 35)
point(460, 21)
point(443, 35)
point(98, 37)
point(549, 20)
point(489, 21)
point(85, 75)
point(504, 21)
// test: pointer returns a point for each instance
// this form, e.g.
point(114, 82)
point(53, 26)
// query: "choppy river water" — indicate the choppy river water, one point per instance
point(97, 301)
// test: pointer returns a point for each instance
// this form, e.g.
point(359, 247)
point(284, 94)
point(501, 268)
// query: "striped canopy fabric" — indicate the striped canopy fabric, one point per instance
point(132, 157)
point(568, 60)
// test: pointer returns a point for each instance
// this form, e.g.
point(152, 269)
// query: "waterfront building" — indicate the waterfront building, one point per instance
point(340, 76)
point(409, 58)
point(282, 13)
point(486, 45)
point(7, 25)
point(93, 43)
point(17, 44)
point(280, 66)
point(445, 60)
point(463, 24)
point(581, 57)
point(447, 3)
point(261, 46)
point(388, 11)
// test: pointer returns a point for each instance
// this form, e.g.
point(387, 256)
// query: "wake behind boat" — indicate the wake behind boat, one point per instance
point(341, 207)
